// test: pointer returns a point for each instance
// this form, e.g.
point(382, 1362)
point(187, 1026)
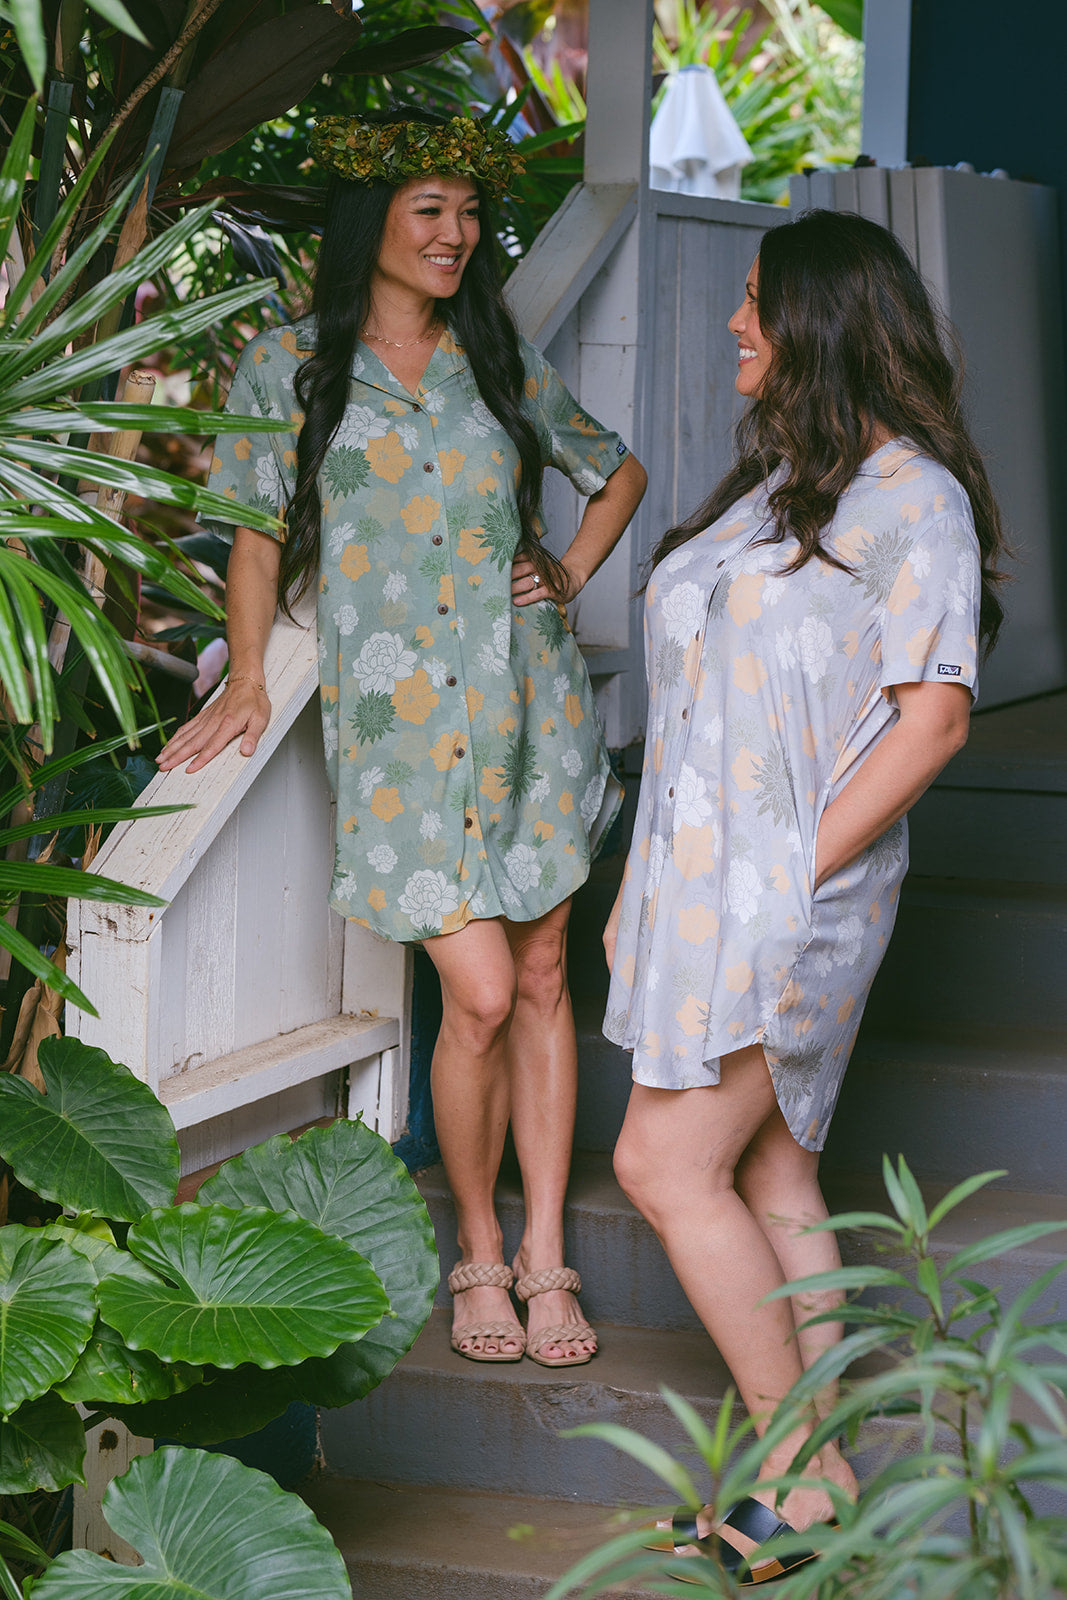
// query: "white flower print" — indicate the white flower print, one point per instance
point(490, 662)
point(822, 964)
point(508, 895)
point(437, 670)
point(481, 421)
point(382, 663)
point(691, 803)
point(369, 781)
point(743, 889)
point(320, 643)
point(395, 585)
point(382, 858)
point(815, 646)
point(347, 620)
point(849, 941)
point(430, 826)
point(592, 797)
point(958, 598)
point(268, 478)
point(477, 904)
point(920, 561)
point(539, 790)
point(359, 426)
point(711, 736)
point(343, 534)
point(784, 644)
point(461, 627)
point(346, 886)
point(683, 609)
point(523, 867)
point(433, 401)
point(560, 687)
point(572, 762)
point(329, 737)
point(652, 979)
point(358, 365)
point(677, 560)
point(657, 855)
point(773, 589)
point(408, 434)
point(502, 636)
point(428, 898)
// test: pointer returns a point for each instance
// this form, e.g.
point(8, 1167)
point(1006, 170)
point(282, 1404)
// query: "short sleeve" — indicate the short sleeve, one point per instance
point(930, 622)
point(257, 469)
point(571, 439)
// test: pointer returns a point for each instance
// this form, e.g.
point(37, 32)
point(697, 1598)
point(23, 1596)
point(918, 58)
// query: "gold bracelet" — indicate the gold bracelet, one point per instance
point(246, 677)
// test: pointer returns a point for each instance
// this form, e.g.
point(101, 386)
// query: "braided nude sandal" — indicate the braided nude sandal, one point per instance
point(544, 1282)
point(484, 1275)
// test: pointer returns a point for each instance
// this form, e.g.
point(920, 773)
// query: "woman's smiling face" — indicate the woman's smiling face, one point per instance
point(431, 228)
point(754, 354)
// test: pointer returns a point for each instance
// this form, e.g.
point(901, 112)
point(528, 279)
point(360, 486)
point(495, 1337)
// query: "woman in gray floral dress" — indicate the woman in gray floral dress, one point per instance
point(460, 733)
point(813, 634)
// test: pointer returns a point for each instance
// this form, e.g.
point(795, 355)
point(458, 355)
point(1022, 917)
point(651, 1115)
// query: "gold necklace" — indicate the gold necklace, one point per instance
point(379, 338)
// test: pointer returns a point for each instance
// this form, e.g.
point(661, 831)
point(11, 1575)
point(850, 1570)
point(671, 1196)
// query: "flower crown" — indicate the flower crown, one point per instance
point(396, 151)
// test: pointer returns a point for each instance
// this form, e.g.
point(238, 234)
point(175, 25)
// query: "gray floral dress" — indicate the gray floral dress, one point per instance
point(765, 696)
point(461, 738)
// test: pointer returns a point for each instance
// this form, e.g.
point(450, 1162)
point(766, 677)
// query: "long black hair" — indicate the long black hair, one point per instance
point(856, 344)
point(340, 303)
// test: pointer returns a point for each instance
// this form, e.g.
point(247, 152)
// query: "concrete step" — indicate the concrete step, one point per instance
point(403, 1542)
point(627, 1279)
point(956, 1101)
point(974, 953)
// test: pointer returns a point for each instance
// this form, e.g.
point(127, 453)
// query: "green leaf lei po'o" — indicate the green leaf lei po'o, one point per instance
point(396, 151)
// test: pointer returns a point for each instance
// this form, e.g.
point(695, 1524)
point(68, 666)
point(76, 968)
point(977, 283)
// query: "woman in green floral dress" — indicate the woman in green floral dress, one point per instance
point(469, 769)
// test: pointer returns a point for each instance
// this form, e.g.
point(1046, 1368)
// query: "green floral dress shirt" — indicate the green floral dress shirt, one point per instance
point(461, 738)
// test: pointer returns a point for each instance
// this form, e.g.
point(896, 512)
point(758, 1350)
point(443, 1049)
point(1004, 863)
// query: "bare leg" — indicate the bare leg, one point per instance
point(471, 1103)
point(778, 1181)
point(543, 1072)
point(676, 1158)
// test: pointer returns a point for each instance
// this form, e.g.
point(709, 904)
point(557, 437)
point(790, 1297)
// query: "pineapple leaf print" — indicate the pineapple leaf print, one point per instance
point(434, 565)
point(548, 875)
point(669, 662)
point(370, 528)
point(373, 716)
point(398, 773)
point(796, 1073)
point(346, 469)
point(775, 780)
point(496, 607)
point(262, 397)
point(550, 625)
point(498, 531)
point(461, 514)
point(520, 766)
point(887, 850)
point(881, 563)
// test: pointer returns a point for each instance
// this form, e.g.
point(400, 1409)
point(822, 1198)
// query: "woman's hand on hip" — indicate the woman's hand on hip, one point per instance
point(528, 586)
point(241, 711)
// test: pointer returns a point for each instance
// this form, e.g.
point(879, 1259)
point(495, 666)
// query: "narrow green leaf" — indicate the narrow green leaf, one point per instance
point(29, 30)
point(13, 176)
point(113, 416)
point(13, 1542)
point(40, 877)
point(865, 1277)
point(28, 956)
point(114, 12)
point(917, 1218)
point(930, 1284)
point(893, 1189)
point(66, 763)
point(961, 1192)
point(998, 1244)
point(649, 1454)
point(95, 816)
point(856, 1219)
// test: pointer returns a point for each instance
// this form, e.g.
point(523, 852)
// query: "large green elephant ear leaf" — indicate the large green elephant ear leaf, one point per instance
point(41, 1447)
point(47, 1312)
point(208, 1527)
point(346, 1179)
point(97, 1140)
point(240, 1286)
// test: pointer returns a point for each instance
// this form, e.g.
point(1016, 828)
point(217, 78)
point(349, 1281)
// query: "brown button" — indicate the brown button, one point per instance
point(442, 611)
point(427, 466)
point(468, 822)
point(459, 752)
point(451, 682)
point(416, 408)
point(437, 539)
point(685, 714)
point(670, 794)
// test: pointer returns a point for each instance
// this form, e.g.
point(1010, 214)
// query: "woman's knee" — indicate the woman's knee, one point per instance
point(479, 1011)
point(540, 971)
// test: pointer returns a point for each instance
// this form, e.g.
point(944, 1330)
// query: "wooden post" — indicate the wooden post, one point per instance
point(618, 91)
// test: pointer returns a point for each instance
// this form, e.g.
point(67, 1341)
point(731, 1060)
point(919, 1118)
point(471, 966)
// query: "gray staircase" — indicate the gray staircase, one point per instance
point(451, 1481)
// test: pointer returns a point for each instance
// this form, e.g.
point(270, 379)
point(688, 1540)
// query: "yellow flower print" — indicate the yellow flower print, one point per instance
point(745, 768)
point(421, 513)
point(376, 900)
point(739, 978)
point(566, 802)
point(487, 485)
point(492, 785)
point(415, 697)
point(544, 830)
point(697, 924)
point(328, 693)
point(287, 340)
point(572, 710)
point(451, 464)
point(507, 725)
point(475, 701)
point(354, 562)
point(424, 637)
point(443, 753)
point(903, 592)
point(921, 644)
point(470, 546)
point(351, 824)
point(694, 851)
point(386, 803)
point(242, 450)
point(692, 1016)
point(742, 602)
point(790, 996)
point(749, 673)
point(549, 725)
point(388, 458)
point(446, 591)
point(530, 387)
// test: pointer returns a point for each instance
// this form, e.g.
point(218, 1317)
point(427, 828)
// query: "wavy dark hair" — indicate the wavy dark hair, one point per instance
point(856, 345)
point(340, 304)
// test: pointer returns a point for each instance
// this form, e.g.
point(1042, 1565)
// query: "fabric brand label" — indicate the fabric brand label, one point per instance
point(946, 671)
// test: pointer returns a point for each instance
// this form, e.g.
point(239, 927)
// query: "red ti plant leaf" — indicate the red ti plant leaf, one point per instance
point(258, 77)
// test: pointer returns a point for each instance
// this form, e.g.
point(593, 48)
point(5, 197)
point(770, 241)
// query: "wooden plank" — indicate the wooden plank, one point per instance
point(109, 1450)
point(304, 914)
point(931, 240)
point(618, 91)
point(207, 1144)
point(377, 982)
point(902, 210)
point(872, 194)
point(233, 1081)
point(728, 213)
point(566, 256)
point(212, 937)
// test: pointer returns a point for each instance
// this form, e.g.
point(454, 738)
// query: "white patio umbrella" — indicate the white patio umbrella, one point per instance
point(695, 145)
